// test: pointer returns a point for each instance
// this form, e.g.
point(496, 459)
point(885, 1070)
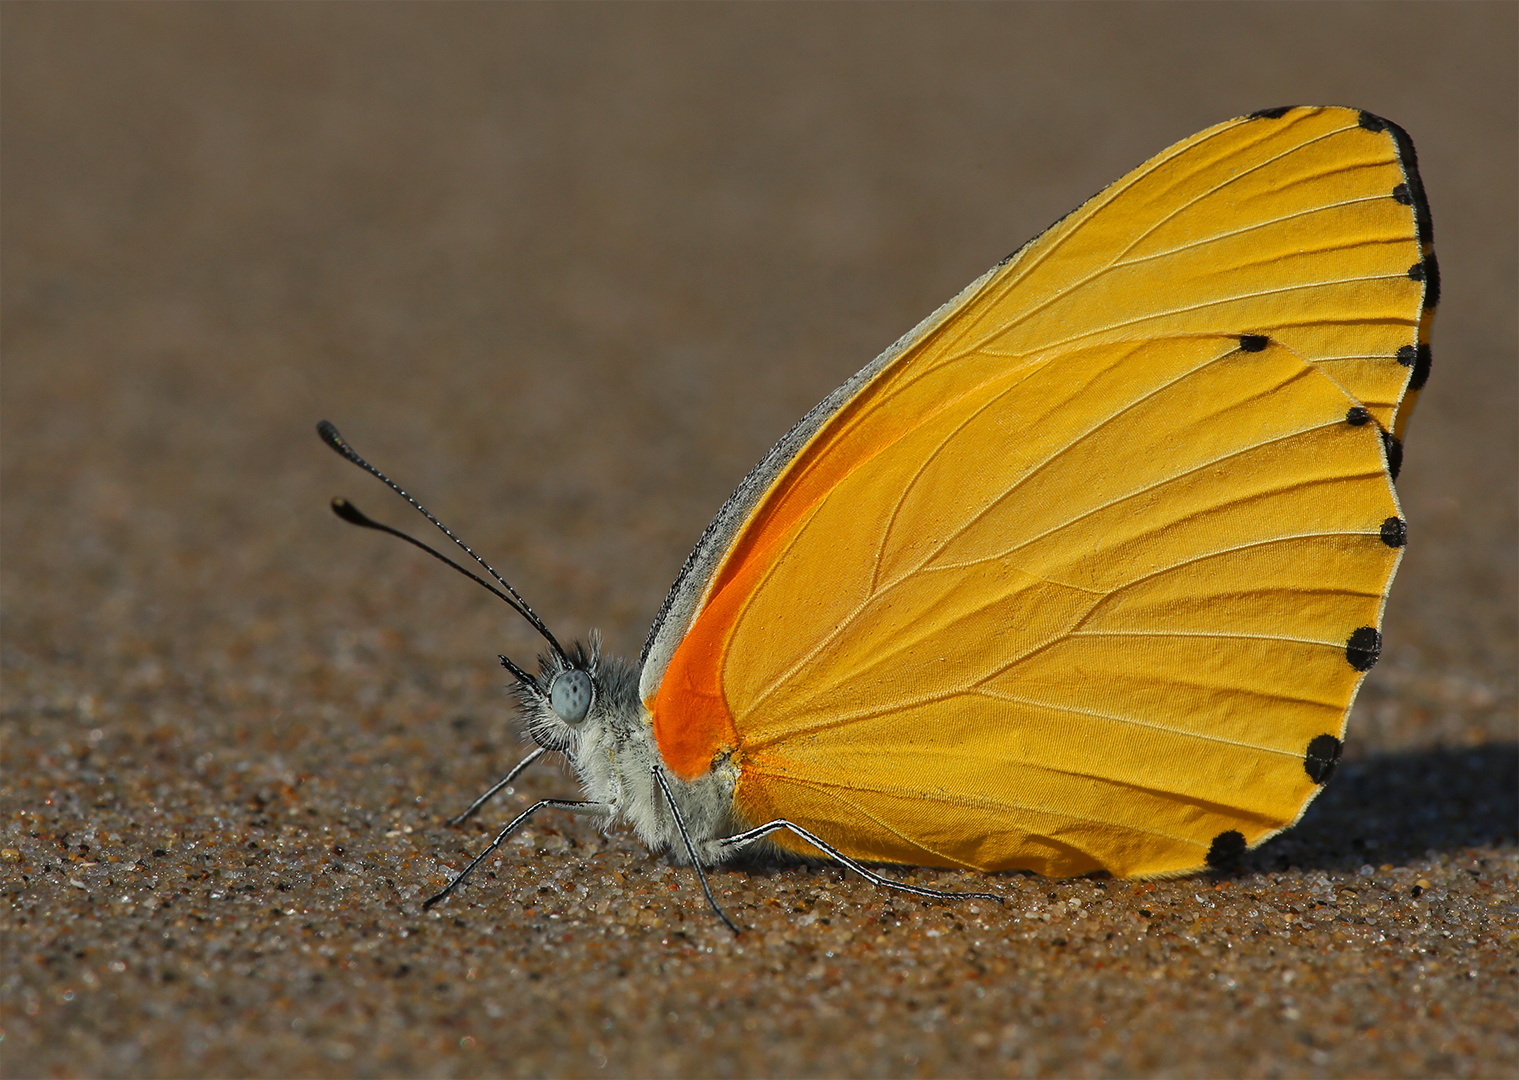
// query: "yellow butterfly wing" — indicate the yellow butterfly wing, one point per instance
point(1086, 573)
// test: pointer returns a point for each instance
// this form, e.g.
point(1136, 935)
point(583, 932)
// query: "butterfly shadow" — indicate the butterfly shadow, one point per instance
point(1398, 807)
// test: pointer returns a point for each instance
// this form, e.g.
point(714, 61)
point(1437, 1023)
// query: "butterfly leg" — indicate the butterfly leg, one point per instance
point(497, 786)
point(573, 805)
point(680, 826)
point(761, 831)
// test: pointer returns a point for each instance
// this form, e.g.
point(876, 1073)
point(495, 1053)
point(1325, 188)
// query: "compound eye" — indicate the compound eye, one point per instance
point(570, 696)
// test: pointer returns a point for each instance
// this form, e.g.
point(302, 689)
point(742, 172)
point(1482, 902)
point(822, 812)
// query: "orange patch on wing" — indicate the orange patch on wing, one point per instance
point(692, 723)
point(692, 720)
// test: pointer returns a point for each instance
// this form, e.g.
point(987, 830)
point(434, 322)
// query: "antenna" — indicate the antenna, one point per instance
point(351, 514)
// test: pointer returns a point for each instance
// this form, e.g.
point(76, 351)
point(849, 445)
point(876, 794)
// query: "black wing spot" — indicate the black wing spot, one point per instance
point(1394, 447)
point(1226, 850)
point(1422, 361)
point(1357, 416)
point(1270, 114)
point(1372, 122)
point(1427, 271)
point(1322, 756)
point(1402, 195)
point(1253, 342)
point(1410, 162)
point(1363, 648)
point(1394, 532)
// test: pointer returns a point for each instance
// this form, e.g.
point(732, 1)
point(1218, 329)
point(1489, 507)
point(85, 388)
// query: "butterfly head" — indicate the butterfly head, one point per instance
point(563, 697)
point(578, 698)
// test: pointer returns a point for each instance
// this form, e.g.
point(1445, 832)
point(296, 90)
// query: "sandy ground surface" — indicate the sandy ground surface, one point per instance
point(567, 272)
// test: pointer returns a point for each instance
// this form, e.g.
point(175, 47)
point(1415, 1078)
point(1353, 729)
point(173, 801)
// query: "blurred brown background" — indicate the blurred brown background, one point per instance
point(567, 271)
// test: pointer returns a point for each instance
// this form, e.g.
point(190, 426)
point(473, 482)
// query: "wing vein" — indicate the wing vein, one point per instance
point(1219, 635)
point(1216, 237)
point(1232, 299)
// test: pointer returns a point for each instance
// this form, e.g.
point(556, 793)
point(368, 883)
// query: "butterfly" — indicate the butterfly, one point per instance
point(1081, 574)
